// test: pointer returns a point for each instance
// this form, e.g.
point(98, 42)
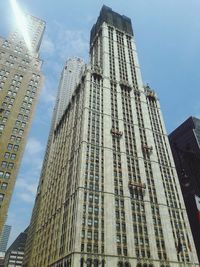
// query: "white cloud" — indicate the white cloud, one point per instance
point(47, 46)
point(48, 94)
point(28, 198)
point(66, 43)
point(33, 147)
point(71, 43)
point(26, 185)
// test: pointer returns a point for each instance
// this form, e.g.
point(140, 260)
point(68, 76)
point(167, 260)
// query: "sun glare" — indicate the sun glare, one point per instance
point(21, 22)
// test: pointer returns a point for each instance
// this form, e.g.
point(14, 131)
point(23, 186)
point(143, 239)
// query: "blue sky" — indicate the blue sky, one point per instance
point(167, 36)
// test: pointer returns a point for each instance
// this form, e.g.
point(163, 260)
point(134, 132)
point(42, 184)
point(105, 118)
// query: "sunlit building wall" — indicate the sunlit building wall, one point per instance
point(109, 195)
point(20, 84)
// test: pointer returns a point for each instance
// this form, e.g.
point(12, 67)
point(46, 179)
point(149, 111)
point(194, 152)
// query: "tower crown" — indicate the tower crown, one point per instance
point(116, 20)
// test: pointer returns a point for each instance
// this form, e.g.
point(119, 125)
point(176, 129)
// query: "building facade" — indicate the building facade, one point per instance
point(185, 144)
point(20, 83)
point(109, 194)
point(15, 253)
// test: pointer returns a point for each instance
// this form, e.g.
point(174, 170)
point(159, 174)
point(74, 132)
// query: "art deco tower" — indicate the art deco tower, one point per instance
point(109, 194)
point(20, 83)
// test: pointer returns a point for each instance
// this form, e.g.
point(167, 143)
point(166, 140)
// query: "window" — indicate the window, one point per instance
point(96, 222)
point(16, 147)
point(1, 197)
point(95, 235)
point(4, 186)
point(14, 130)
point(10, 165)
point(1, 174)
point(90, 209)
point(89, 235)
point(7, 175)
point(118, 238)
point(18, 140)
point(17, 123)
point(13, 156)
point(21, 132)
point(25, 118)
point(12, 138)
point(89, 222)
point(20, 116)
point(2, 127)
point(23, 125)
point(10, 146)
point(4, 164)
point(6, 155)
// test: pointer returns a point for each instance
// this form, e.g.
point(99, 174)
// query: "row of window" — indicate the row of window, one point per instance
point(7, 165)
point(5, 175)
point(9, 155)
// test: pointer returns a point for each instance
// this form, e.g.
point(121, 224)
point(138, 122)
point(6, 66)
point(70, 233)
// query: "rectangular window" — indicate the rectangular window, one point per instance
point(17, 123)
point(15, 130)
point(7, 112)
point(1, 197)
point(25, 118)
point(2, 127)
point(4, 186)
point(10, 165)
point(1, 174)
point(6, 155)
point(89, 235)
point(23, 125)
point(16, 147)
point(12, 138)
point(20, 116)
point(4, 164)
point(13, 156)
point(7, 175)
point(10, 146)
point(18, 140)
point(21, 132)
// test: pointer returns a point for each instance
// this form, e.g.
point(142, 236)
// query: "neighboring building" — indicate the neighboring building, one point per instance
point(109, 194)
point(69, 79)
point(20, 83)
point(15, 253)
point(185, 144)
point(4, 237)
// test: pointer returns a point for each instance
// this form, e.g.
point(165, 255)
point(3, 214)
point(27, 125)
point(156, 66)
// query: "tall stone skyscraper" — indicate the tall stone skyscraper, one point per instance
point(109, 194)
point(20, 83)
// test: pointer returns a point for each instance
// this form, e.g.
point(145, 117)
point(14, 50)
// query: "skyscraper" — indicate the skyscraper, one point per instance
point(108, 194)
point(15, 253)
point(185, 144)
point(20, 83)
point(4, 238)
point(69, 79)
